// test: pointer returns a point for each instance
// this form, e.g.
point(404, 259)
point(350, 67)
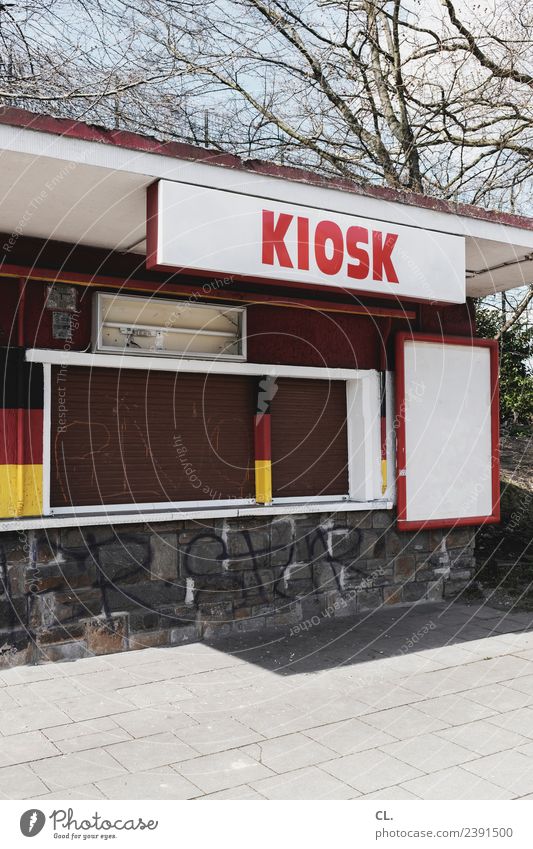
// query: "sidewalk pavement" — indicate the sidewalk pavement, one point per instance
point(428, 702)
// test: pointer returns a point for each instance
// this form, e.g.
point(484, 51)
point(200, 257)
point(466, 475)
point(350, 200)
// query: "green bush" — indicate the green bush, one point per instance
point(516, 373)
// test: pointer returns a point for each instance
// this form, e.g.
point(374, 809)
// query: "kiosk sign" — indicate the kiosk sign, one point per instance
point(203, 230)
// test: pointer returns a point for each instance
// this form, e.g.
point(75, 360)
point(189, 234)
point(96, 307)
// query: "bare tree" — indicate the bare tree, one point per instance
point(423, 95)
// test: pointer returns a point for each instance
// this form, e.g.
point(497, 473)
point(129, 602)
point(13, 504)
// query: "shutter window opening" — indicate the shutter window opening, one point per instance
point(309, 438)
point(122, 437)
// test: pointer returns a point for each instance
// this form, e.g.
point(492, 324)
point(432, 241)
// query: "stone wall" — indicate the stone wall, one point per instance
point(74, 592)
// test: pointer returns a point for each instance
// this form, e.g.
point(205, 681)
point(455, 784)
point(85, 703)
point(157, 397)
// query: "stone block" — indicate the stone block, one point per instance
point(454, 587)
point(143, 620)
point(63, 651)
point(393, 594)
point(148, 639)
point(282, 546)
point(87, 538)
point(358, 519)
point(184, 634)
point(404, 569)
point(397, 543)
point(105, 636)
point(164, 556)
point(124, 562)
point(374, 544)
point(461, 538)
point(382, 518)
point(75, 631)
point(435, 590)
point(201, 553)
point(369, 599)
point(311, 542)
point(345, 544)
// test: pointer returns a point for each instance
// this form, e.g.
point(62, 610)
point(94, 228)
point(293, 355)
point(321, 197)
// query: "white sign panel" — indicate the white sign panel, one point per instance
point(224, 233)
point(447, 431)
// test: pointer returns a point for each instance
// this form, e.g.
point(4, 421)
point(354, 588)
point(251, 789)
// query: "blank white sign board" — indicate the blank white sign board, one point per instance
point(447, 431)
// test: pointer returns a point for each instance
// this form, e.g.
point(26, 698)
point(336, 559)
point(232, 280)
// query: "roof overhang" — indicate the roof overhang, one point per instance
point(73, 183)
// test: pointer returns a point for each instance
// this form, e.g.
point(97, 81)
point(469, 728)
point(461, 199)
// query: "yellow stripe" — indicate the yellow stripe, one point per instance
point(263, 481)
point(17, 499)
point(383, 477)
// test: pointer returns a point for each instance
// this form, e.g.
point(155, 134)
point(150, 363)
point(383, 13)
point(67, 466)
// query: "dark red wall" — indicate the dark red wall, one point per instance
point(275, 334)
point(308, 337)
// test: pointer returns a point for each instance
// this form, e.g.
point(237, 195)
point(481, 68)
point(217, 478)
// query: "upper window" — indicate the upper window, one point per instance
point(134, 325)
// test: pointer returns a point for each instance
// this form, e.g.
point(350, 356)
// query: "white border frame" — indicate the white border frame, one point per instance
point(97, 324)
point(362, 400)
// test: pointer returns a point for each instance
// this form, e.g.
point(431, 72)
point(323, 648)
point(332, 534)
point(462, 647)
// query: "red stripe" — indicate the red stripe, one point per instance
point(383, 438)
point(32, 428)
point(262, 436)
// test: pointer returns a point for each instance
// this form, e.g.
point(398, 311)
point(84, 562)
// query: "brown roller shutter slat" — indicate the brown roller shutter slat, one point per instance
point(309, 438)
point(128, 436)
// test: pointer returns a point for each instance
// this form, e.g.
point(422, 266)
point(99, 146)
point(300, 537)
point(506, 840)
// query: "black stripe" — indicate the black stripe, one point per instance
point(21, 383)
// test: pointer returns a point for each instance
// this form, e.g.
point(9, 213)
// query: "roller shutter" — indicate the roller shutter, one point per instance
point(130, 436)
point(309, 438)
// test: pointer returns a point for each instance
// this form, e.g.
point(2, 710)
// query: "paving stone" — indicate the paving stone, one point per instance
point(483, 738)
point(143, 695)
point(23, 748)
point(106, 681)
point(285, 754)
point(31, 719)
point(381, 698)
point(403, 722)
point(28, 674)
point(217, 736)
point(454, 783)
point(350, 736)
point(93, 741)
point(390, 794)
point(308, 783)
point(83, 708)
point(429, 752)
point(499, 697)
point(7, 698)
point(241, 794)
point(222, 770)
point(148, 785)
point(80, 729)
point(150, 752)
point(511, 770)
point(19, 782)
point(454, 709)
point(524, 684)
point(520, 721)
point(85, 791)
point(67, 771)
point(154, 720)
point(370, 770)
point(47, 692)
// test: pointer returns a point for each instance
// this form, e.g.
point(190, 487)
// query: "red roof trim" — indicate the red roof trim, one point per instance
point(179, 150)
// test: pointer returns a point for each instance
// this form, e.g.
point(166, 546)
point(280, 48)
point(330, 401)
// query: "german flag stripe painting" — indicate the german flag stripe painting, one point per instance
point(21, 436)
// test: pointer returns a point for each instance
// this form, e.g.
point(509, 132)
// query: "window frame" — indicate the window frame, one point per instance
point(363, 413)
